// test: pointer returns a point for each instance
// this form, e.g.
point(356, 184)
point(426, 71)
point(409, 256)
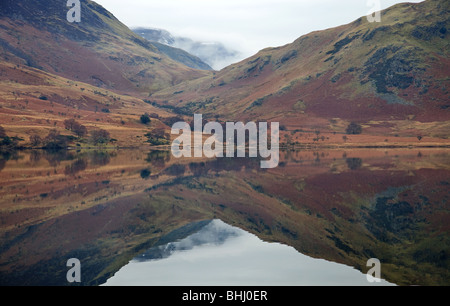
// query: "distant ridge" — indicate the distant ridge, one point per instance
point(215, 54)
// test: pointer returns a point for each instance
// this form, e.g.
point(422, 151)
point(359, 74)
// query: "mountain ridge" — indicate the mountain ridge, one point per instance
point(388, 79)
point(324, 73)
point(215, 54)
point(99, 50)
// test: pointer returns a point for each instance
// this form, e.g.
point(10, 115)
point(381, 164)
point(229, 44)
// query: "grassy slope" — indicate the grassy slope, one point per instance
point(390, 76)
point(24, 112)
point(99, 50)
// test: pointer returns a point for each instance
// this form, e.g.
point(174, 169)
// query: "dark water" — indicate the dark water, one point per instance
point(338, 208)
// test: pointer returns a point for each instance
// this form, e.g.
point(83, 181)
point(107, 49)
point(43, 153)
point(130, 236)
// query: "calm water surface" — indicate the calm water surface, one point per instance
point(135, 218)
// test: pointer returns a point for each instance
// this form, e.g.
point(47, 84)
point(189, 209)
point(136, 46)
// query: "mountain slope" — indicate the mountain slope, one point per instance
point(386, 76)
point(182, 56)
point(215, 54)
point(99, 50)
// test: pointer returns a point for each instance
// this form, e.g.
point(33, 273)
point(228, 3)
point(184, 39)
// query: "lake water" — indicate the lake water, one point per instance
point(146, 218)
point(222, 255)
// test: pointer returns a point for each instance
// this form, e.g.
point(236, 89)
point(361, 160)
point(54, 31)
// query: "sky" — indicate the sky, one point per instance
point(244, 25)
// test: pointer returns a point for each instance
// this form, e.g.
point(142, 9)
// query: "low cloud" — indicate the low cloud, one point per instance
point(244, 25)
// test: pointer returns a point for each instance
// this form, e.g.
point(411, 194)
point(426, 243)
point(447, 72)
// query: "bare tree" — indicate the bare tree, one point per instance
point(35, 140)
point(100, 136)
point(69, 123)
point(80, 130)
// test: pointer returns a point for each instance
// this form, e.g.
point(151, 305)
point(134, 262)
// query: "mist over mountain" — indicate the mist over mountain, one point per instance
point(215, 54)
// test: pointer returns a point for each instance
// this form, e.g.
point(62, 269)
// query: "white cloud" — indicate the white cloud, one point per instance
point(246, 25)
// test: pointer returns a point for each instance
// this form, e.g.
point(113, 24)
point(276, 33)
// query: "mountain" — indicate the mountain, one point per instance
point(163, 40)
point(99, 50)
point(360, 84)
point(215, 54)
point(156, 35)
point(97, 72)
point(182, 56)
point(391, 78)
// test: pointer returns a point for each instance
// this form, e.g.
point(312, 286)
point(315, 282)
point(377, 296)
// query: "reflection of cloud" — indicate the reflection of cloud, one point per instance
point(221, 255)
point(214, 233)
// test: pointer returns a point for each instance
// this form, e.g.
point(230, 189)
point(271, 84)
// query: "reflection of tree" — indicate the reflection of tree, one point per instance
point(158, 158)
point(77, 166)
point(55, 157)
point(354, 163)
point(99, 158)
point(354, 129)
point(35, 156)
point(225, 164)
point(175, 170)
point(2, 163)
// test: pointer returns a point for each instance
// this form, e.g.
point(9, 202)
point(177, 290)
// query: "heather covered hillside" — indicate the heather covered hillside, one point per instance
point(99, 50)
point(390, 77)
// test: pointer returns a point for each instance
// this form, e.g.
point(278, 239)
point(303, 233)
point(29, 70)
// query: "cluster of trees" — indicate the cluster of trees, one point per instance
point(7, 144)
point(98, 136)
point(146, 118)
point(55, 141)
point(158, 137)
point(72, 125)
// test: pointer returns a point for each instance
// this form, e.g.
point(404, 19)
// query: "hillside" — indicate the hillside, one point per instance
point(182, 56)
point(215, 54)
point(99, 50)
point(97, 72)
point(33, 102)
point(389, 77)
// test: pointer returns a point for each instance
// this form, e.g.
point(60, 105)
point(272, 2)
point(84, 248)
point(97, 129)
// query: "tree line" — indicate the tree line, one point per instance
point(54, 140)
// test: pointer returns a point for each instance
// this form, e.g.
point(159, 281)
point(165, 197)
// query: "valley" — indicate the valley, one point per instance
point(86, 171)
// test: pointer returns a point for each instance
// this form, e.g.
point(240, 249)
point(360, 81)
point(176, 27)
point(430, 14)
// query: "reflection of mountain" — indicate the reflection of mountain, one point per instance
point(215, 54)
point(220, 254)
point(210, 232)
point(392, 206)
